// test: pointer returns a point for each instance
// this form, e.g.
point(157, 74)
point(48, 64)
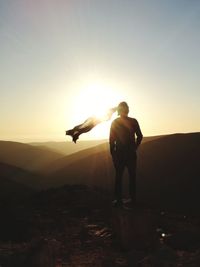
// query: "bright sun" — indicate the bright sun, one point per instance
point(94, 100)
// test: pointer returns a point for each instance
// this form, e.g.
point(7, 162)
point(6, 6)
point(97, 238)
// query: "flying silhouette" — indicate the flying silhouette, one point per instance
point(89, 124)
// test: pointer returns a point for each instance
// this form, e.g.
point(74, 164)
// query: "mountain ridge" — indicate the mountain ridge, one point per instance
point(26, 156)
point(168, 170)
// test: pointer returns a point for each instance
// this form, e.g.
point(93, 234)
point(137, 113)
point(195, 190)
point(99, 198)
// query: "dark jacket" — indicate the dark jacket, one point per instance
point(125, 135)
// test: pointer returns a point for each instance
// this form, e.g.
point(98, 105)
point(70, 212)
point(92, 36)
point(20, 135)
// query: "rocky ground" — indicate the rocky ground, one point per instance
point(73, 226)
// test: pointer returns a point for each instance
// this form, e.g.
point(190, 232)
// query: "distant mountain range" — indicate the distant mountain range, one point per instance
point(168, 168)
point(68, 147)
point(26, 156)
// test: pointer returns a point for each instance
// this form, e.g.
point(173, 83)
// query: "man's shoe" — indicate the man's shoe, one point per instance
point(117, 203)
point(130, 203)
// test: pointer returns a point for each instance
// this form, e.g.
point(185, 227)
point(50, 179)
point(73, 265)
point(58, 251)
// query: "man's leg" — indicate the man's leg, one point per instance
point(119, 169)
point(131, 165)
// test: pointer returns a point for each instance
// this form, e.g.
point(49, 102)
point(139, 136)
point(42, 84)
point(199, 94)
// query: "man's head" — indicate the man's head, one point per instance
point(123, 109)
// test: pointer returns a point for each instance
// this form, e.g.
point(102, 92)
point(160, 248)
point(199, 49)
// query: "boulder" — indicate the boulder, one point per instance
point(134, 228)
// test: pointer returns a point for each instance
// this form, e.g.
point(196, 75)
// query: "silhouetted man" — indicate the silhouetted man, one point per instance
point(125, 138)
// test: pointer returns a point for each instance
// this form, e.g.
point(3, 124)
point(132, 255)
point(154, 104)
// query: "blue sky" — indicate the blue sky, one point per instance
point(146, 52)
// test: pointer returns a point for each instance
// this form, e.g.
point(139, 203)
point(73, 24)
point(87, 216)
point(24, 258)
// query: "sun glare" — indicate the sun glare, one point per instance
point(95, 100)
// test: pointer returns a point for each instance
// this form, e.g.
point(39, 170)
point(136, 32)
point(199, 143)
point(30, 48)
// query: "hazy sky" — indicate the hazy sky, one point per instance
point(144, 52)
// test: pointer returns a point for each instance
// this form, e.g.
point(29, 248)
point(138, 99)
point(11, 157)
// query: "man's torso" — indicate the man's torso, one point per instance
point(123, 131)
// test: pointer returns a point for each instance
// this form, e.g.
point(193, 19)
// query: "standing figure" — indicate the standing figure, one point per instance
point(125, 138)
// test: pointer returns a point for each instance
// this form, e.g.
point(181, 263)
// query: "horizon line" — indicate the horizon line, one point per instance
point(42, 140)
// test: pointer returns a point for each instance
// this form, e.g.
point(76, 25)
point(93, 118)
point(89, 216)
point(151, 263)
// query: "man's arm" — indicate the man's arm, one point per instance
point(139, 135)
point(112, 138)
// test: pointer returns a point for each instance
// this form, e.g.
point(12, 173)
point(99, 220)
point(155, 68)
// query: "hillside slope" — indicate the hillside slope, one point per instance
point(68, 147)
point(73, 158)
point(168, 170)
point(26, 156)
point(15, 183)
point(17, 175)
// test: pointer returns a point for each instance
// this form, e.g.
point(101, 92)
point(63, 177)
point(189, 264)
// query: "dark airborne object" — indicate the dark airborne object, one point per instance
point(88, 124)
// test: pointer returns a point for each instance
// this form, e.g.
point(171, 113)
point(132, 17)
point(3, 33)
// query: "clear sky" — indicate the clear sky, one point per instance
point(61, 58)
